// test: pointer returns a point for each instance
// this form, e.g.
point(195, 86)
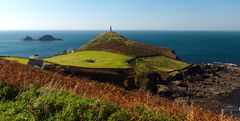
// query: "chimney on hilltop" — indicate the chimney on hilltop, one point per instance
point(110, 28)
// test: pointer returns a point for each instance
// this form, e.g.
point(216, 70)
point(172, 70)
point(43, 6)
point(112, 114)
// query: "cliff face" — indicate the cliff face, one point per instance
point(111, 41)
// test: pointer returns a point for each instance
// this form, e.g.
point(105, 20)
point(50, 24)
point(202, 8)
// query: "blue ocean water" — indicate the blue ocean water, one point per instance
point(191, 46)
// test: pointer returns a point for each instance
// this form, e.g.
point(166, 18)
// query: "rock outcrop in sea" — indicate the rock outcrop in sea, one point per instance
point(28, 38)
point(43, 38)
point(48, 38)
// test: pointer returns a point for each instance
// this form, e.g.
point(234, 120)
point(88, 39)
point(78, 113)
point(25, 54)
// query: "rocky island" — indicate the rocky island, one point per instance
point(43, 38)
point(28, 38)
point(48, 38)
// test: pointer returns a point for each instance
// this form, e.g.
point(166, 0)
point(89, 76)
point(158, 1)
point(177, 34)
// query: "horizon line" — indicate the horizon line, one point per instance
point(115, 30)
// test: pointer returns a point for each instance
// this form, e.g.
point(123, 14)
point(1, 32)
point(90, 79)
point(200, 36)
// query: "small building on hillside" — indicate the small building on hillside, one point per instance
point(36, 62)
point(70, 50)
point(35, 56)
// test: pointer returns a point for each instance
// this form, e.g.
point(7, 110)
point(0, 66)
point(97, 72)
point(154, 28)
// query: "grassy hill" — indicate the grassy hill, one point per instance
point(111, 41)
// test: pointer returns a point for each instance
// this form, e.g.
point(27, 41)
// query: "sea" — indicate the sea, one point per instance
point(191, 46)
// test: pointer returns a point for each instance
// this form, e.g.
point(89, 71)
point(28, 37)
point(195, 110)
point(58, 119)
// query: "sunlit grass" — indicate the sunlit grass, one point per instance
point(91, 59)
point(17, 59)
point(160, 63)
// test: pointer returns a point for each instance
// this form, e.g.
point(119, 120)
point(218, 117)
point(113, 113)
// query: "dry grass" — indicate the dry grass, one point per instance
point(20, 76)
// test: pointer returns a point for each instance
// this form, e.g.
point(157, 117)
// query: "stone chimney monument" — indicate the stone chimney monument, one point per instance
point(110, 28)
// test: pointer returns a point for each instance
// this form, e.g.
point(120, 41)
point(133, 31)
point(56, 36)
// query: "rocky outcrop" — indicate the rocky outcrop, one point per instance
point(43, 38)
point(48, 38)
point(203, 81)
point(28, 38)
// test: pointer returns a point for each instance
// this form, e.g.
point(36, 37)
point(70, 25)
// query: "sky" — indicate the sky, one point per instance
point(121, 14)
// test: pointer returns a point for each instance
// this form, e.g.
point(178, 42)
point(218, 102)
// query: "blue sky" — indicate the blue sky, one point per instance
point(121, 14)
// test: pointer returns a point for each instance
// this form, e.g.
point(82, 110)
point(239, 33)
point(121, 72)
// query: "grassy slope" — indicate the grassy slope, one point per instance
point(52, 105)
point(17, 59)
point(21, 60)
point(112, 60)
point(111, 41)
point(102, 59)
point(159, 63)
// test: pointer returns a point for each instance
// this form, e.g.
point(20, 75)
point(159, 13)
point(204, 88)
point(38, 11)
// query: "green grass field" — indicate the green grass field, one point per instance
point(91, 59)
point(159, 63)
point(17, 59)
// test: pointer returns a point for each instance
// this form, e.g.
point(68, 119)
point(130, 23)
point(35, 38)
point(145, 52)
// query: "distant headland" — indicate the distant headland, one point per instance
point(43, 38)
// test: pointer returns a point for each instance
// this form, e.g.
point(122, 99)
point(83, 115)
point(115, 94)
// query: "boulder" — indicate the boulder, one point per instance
point(147, 81)
point(194, 70)
point(177, 83)
point(163, 88)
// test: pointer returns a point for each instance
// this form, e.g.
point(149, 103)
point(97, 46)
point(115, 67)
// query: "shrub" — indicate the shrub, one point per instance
point(6, 92)
point(121, 115)
point(43, 104)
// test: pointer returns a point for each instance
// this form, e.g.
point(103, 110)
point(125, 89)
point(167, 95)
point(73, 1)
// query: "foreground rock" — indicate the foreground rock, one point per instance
point(204, 81)
point(212, 86)
point(217, 80)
